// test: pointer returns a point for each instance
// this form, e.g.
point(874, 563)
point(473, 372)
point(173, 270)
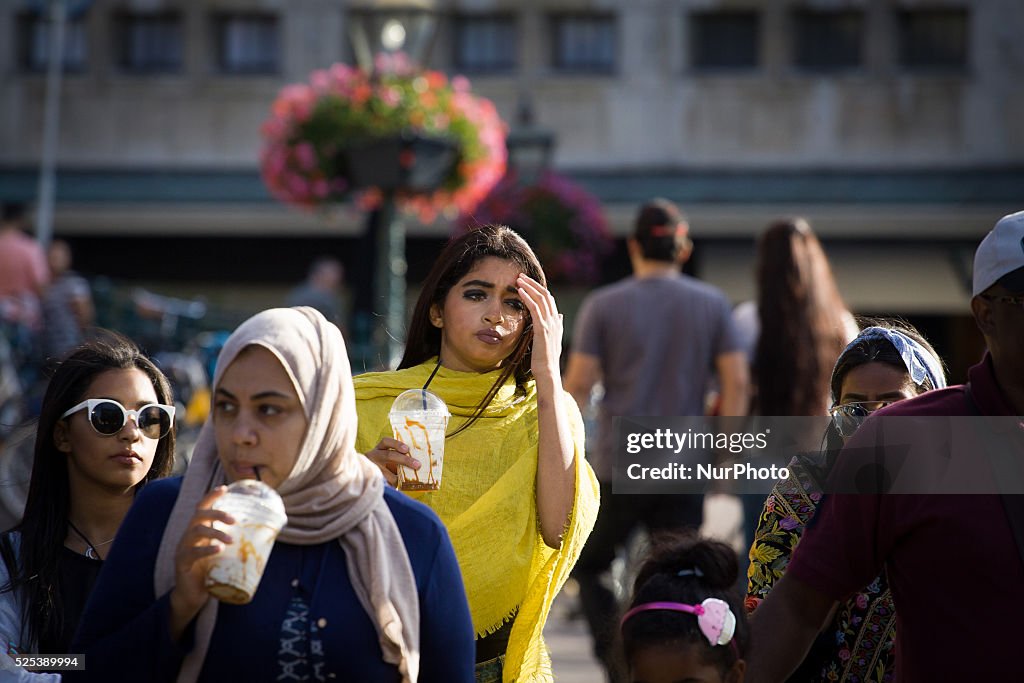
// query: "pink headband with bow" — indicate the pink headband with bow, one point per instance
point(714, 618)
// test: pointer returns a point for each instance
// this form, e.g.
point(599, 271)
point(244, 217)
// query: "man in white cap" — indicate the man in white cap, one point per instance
point(955, 562)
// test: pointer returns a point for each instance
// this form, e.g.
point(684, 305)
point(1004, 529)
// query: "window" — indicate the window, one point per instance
point(151, 42)
point(584, 42)
point(724, 40)
point(486, 43)
point(933, 38)
point(829, 41)
point(247, 43)
point(35, 31)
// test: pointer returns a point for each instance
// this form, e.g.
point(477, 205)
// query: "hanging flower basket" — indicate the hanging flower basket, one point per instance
point(318, 140)
point(562, 221)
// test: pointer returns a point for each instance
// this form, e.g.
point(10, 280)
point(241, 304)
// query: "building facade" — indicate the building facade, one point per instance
point(893, 125)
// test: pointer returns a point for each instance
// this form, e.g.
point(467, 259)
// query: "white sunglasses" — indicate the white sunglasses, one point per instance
point(108, 417)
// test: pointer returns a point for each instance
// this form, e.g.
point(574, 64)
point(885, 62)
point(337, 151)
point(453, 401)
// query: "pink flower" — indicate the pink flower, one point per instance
point(320, 80)
point(305, 156)
point(551, 214)
point(295, 184)
point(274, 162)
point(321, 188)
point(391, 96)
point(274, 127)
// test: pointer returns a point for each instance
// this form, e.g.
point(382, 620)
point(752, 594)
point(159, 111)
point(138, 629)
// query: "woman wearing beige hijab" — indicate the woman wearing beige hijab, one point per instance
point(362, 583)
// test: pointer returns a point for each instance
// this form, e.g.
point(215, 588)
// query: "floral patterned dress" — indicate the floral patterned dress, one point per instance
point(857, 646)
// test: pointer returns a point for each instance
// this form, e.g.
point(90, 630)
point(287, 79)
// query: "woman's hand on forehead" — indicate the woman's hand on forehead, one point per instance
point(547, 325)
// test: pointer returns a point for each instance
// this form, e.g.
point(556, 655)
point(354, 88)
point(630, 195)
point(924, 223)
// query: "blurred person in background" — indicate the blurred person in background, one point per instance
point(801, 327)
point(803, 322)
point(655, 341)
point(23, 270)
point(68, 310)
point(322, 290)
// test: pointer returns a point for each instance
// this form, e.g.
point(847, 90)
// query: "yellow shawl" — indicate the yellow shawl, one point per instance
point(488, 501)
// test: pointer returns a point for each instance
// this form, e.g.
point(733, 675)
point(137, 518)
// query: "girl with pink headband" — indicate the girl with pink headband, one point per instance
point(685, 621)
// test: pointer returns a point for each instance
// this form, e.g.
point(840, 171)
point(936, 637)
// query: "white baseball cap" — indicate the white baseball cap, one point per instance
point(1001, 253)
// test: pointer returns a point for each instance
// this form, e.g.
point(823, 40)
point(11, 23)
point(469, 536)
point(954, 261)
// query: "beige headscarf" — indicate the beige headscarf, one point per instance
point(331, 493)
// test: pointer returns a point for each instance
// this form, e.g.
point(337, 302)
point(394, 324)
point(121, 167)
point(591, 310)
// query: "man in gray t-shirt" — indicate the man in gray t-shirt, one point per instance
point(655, 341)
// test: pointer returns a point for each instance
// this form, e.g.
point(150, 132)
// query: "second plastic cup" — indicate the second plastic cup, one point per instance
point(419, 419)
point(235, 572)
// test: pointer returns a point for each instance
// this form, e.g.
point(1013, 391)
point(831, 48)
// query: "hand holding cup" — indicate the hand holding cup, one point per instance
point(389, 454)
point(200, 542)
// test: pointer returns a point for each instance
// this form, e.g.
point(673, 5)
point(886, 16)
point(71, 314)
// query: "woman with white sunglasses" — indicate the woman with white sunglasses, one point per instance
point(885, 363)
point(106, 428)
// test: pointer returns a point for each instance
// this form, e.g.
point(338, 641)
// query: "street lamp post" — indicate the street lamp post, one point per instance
point(407, 163)
point(58, 14)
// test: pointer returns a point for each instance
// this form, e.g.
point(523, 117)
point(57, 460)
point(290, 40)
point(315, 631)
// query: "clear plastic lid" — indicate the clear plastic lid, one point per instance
point(419, 402)
point(260, 492)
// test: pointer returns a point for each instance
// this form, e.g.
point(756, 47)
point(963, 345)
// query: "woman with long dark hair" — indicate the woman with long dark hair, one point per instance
point(517, 496)
point(804, 323)
point(106, 429)
point(887, 362)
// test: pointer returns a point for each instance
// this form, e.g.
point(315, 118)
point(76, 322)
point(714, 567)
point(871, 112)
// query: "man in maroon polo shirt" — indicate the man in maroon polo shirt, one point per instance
point(953, 563)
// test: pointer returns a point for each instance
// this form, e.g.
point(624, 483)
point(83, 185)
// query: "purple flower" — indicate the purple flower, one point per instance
point(562, 222)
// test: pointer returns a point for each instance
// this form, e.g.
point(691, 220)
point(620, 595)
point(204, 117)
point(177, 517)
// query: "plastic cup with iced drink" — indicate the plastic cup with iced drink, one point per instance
point(419, 419)
point(259, 514)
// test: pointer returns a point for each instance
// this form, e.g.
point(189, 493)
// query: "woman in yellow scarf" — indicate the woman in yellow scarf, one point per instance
point(516, 494)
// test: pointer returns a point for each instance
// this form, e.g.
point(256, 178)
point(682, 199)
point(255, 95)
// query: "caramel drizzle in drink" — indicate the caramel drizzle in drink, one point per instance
point(244, 551)
point(415, 484)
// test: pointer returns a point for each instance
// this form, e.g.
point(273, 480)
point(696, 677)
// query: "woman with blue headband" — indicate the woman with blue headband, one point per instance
point(886, 363)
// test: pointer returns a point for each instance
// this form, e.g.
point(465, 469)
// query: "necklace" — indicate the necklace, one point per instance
point(90, 549)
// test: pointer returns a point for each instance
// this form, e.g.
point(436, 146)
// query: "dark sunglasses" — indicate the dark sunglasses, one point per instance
point(108, 417)
point(847, 417)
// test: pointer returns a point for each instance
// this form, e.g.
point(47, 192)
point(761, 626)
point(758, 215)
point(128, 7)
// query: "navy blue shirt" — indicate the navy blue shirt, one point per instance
point(304, 623)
